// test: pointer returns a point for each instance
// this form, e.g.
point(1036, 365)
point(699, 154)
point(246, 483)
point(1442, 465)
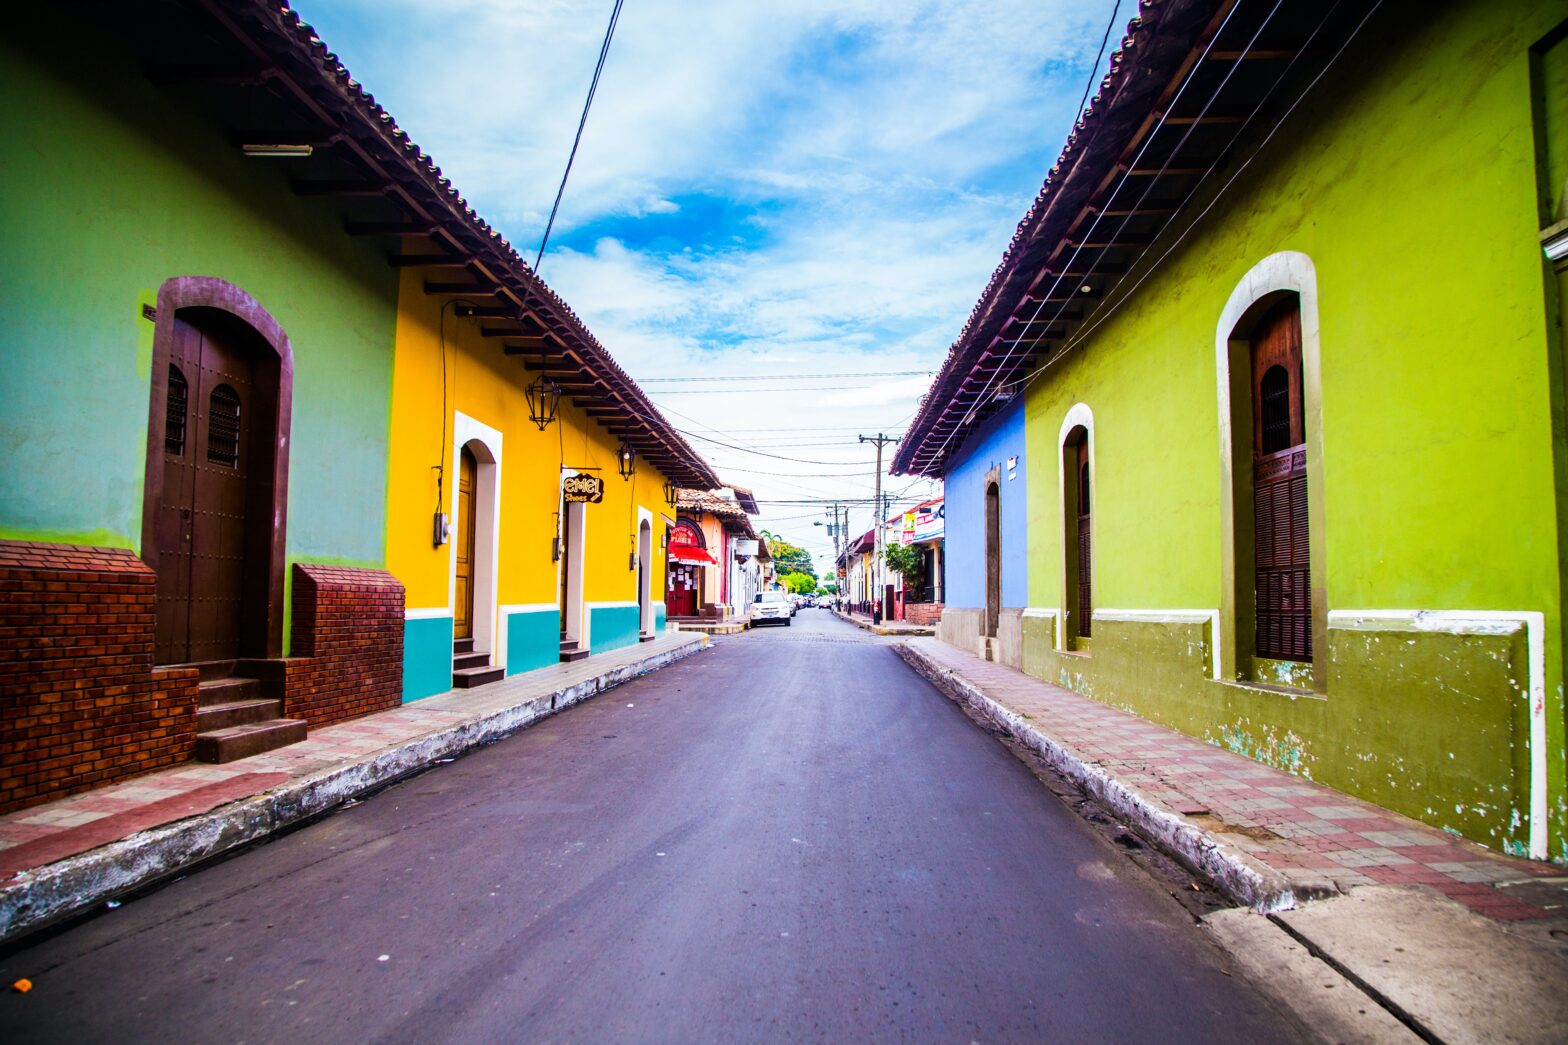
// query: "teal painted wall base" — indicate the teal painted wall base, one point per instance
point(533, 640)
point(427, 657)
point(611, 627)
point(660, 618)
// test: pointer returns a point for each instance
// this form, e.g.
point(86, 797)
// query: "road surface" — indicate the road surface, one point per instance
point(790, 837)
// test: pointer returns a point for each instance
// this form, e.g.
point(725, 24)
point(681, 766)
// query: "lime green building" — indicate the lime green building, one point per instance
point(1285, 326)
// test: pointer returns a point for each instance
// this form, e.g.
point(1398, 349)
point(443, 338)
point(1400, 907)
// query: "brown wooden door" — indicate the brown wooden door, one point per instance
point(463, 611)
point(202, 508)
point(1085, 542)
point(1282, 550)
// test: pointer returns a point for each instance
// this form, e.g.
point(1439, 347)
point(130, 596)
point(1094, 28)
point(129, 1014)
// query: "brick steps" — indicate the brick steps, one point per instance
point(235, 742)
point(235, 718)
point(571, 651)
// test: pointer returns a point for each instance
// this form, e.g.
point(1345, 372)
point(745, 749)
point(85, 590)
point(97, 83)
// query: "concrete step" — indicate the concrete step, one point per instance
point(471, 660)
point(226, 745)
point(211, 669)
point(227, 691)
point(570, 651)
point(462, 646)
point(468, 678)
point(212, 717)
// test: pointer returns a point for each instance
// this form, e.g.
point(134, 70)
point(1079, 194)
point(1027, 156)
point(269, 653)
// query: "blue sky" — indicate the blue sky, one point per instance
point(763, 189)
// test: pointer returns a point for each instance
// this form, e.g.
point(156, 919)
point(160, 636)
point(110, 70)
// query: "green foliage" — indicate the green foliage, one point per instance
point(790, 558)
point(799, 583)
point(904, 559)
point(831, 587)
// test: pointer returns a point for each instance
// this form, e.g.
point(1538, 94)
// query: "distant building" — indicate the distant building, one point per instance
point(1257, 430)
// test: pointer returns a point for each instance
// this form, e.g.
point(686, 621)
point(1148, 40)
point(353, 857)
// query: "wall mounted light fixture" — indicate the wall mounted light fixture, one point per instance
point(628, 460)
point(543, 398)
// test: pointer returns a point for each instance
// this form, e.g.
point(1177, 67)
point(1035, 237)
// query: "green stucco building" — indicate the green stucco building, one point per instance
point(1285, 323)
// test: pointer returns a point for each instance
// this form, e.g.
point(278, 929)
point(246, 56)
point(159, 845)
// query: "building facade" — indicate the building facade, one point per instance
point(1294, 450)
point(714, 555)
point(223, 279)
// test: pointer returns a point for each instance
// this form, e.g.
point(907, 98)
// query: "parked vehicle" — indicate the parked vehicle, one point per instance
point(771, 607)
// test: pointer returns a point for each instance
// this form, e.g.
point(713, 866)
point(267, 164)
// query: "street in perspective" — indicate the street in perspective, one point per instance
point(662, 522)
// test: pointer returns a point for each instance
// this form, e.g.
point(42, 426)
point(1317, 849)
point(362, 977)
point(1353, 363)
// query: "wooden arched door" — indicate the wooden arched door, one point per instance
point(213, 527)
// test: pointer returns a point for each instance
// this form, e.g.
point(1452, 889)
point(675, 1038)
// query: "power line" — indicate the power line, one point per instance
point(593, 86)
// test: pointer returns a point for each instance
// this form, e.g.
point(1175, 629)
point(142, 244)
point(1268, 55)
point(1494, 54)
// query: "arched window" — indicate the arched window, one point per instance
point(1282, 545)
point(223, 426)
point(176, 405)
point(1077, 537)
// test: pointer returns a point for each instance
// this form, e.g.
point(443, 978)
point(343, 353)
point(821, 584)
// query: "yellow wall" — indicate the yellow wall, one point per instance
point(484, 383)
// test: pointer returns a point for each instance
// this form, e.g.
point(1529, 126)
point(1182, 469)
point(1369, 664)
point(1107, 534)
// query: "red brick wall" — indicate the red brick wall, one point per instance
point(347, 648)
point(927, 613)
point(80, 703)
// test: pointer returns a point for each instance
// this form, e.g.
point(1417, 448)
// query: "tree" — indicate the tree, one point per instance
point(906, 561)
point(790, 558)
point(799, 583)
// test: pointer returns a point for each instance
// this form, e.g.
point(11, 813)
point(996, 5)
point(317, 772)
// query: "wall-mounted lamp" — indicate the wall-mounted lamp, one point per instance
point(555, 549)
point(664, 542)
point(543, 398)
point(671, 492)
point(443, 529)
point(631, 561)
point(628, 460)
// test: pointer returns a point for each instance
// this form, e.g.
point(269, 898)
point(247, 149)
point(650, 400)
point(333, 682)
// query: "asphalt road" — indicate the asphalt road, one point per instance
point(791, 837)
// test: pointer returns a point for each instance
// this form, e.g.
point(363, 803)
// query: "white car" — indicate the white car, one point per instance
point(771, 607)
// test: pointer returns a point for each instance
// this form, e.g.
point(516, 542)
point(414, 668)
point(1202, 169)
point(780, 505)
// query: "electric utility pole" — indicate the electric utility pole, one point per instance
point(876, 506)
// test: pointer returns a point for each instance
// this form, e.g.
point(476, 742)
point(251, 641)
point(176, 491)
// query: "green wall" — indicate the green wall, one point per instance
point(1411, 184)
point(112, 187)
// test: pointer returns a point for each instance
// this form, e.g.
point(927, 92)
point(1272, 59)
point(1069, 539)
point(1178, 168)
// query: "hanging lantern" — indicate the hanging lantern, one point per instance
point(543, 397)
point(628, 460)
point(671, 492)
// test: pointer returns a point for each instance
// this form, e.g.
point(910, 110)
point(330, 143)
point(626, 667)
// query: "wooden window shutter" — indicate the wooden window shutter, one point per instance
point(1282, 549)
point(223, 426)
point(176, 405)
point(1085, 542)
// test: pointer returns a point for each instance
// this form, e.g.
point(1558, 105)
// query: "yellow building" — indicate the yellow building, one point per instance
point(530, 480)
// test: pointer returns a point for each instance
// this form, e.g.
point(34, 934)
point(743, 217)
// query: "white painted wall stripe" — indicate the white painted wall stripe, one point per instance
point(530, 607)
point(429, 613)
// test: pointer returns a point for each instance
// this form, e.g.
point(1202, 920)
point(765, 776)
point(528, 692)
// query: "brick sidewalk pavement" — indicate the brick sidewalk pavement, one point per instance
point(1308, 838)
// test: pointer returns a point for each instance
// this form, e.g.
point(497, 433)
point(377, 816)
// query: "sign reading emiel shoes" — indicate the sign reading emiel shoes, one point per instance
point(588, 489)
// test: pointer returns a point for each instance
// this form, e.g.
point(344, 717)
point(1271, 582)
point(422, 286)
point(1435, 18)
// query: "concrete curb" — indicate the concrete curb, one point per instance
point(1241, 878)
point(909, 631)
point(75, 883)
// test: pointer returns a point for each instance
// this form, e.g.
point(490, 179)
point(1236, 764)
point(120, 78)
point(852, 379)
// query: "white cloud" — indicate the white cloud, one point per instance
point(872, 157)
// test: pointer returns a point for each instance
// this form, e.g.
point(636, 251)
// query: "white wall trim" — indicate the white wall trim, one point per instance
point(645, 572)
point(1051, 614)
point(428, 613)
point(529, 607)
point(1078, 415)
point(1209, 617)
point(1485, 622)
point(574, 520)
point(613, 604)
point(487, 530)
point(1292, 271)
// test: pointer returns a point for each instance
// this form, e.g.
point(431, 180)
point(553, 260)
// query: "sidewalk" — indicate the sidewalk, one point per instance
point(891, 627)
point(63, 856)
point(1413, 932)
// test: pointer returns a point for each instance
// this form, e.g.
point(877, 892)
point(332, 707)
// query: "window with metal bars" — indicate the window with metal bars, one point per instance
point(176, 405)
point(223, 426)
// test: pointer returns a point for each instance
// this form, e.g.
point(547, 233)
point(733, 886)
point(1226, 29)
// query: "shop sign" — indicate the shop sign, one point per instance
point(587, 489)
point(925, 524)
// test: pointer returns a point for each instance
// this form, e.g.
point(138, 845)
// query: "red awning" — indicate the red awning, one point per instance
point(693, 554)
